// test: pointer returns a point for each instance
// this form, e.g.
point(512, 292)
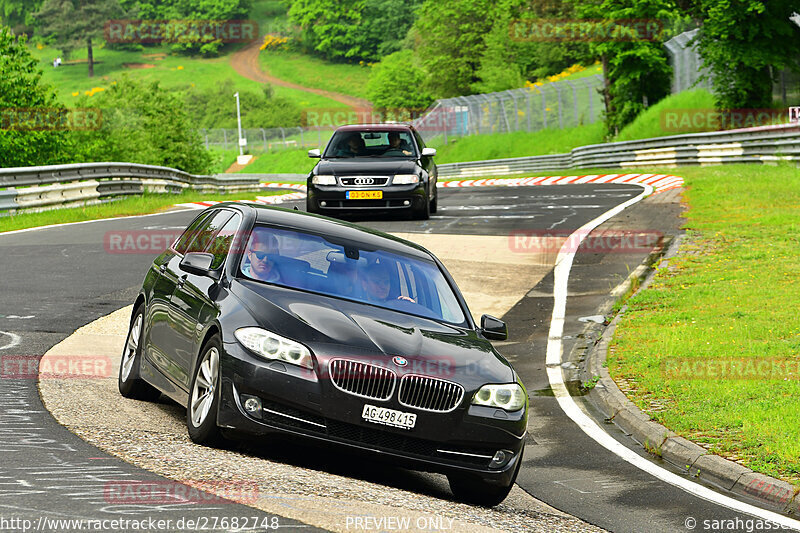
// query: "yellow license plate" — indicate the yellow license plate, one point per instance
point(364, 195)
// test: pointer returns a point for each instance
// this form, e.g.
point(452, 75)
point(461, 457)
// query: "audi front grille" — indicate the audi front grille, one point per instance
point(430, 394)
point(362, 379)
point(363, 181)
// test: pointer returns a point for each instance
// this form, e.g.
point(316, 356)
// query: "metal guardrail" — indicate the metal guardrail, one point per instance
point(81, 183)
point(766, 145)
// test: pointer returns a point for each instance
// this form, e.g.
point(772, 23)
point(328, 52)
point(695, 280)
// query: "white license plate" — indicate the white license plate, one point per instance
point(388, 417)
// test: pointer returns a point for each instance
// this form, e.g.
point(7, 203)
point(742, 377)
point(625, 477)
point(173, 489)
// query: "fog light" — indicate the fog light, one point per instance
point(406, 202)
point(323, 204)
point(500, 459)
point(252, 405)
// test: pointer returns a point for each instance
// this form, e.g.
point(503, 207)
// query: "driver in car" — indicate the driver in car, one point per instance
point(261, 267)
point(396, 143)
point(376, 284)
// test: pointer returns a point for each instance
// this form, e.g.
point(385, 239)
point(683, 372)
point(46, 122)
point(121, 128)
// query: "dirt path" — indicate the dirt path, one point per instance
point(245, 62)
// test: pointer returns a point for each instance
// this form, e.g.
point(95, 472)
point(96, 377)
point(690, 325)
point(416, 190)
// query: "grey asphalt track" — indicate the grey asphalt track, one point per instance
point(58, 279)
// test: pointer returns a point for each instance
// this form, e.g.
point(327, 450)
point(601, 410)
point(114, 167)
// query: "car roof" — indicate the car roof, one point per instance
point(329, 227)
point(375, 127)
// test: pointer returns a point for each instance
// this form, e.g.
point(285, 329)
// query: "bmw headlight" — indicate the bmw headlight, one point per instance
point(272, 346)
point(405, 179)
point(510, 396)
point(323, 180)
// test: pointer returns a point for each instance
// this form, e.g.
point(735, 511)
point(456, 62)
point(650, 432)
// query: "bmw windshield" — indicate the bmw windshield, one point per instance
point(377, 277)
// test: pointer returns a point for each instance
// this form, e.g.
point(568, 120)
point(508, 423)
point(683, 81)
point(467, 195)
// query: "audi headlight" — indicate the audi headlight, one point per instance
point(510, 396)
point(323, 180)
point(272, 346)
point(405, 179)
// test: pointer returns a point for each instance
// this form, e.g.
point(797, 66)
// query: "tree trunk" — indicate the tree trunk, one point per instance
point(90, 56)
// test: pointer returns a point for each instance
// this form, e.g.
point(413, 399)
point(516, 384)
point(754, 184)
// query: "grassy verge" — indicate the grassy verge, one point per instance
point(314, 72)
point(281, 162)
point(156, 64)
point(729, 298)
point(517, 144)
point(136, 205)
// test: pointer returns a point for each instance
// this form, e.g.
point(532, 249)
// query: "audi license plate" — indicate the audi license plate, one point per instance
point(388, 417)
point(364, 195)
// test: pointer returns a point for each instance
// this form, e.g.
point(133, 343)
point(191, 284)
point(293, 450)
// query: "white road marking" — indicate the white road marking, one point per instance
point(14, 232)
point(588, 425)
point(15, 339)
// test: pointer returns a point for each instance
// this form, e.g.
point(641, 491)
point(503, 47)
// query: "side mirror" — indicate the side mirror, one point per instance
point(493, 328)
point(315, 153)
point(199, 263)
point(428, 152)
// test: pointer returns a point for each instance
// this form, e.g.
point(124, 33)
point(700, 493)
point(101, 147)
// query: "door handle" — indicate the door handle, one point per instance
point(181, 281)
point(163, 268)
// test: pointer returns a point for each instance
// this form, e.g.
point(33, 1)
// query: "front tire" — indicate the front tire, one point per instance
point(424, 212)
point(131, 385)
point(434, 205)
point(470, 488)
point(201, 413)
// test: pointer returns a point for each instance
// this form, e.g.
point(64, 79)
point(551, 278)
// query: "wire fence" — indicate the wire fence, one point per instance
point(561, 104)
point(266, 139)
point(687, 65)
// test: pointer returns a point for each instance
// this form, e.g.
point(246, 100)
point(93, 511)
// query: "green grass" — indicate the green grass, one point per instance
point(730, 295)
point(281, 162)
point(517, 144)
point(171, 71)
point(314, 72)
point(135, 205)
point(653, 121)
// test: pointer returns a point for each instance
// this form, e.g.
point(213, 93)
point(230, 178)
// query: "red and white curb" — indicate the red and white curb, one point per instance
point(659, 182)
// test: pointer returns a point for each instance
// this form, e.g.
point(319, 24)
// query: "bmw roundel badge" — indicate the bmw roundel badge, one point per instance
point(399, 361)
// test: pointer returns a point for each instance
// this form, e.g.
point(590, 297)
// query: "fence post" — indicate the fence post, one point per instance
point(264, 138)
point(225, 137)
point(529, 108)
point(592, 92)
point(544, 109)
point(574, 101)
point(302, 142)
point(560, 107)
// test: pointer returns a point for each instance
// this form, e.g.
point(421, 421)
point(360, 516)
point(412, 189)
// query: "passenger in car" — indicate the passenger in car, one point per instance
point(352, 146)
point(260, 254)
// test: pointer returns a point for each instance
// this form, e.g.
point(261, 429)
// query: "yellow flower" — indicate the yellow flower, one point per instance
point(76, 93)
point(39, 46)
point(180, 67)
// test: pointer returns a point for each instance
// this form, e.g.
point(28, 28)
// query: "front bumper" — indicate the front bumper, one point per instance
point(334, 197)
point(298, 403)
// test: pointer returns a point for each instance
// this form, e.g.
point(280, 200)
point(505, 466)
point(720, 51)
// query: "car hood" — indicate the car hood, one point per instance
point(333, 327)
point(366, 166)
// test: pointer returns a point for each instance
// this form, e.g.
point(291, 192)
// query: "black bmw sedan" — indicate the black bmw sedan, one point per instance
point(265, 321)
point(374, 167)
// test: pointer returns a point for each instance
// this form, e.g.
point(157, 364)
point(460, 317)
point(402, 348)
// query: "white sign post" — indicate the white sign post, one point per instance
point(242, 159)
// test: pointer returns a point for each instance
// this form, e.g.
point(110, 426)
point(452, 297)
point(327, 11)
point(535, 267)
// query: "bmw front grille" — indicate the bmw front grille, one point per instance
point(430, 394)
point(362, 379)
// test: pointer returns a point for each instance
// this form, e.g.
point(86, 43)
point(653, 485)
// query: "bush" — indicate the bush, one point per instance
point(142, 123)
point(217, 108)
point(396, 82)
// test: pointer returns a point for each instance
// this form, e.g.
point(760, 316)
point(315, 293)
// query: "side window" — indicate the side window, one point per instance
point(206, 233)
point(183, 241)
point(221, 242)
point(420, 142)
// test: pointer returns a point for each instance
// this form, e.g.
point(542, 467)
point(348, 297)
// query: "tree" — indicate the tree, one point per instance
point(14, 13)
point(396, 83)
point(77, 22)
point(22, 93)
point(330, 27)
point(449, 41)
point(745, 43)
point(636, 69)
